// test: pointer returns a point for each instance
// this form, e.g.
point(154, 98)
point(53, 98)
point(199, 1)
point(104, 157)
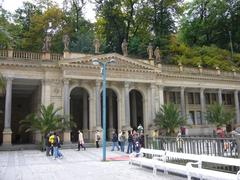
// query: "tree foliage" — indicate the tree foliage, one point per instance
point(169, 118)
point(195, 33)
point(208, 22)
point(218, 115)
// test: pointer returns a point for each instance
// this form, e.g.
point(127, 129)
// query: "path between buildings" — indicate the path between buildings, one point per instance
point(76, 165)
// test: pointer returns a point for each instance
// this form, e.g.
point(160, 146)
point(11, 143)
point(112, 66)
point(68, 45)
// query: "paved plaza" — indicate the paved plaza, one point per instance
point(84, 165)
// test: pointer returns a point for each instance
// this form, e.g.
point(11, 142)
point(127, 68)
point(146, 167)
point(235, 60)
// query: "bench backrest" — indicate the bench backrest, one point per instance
point(177, 155)
point(204, 158)
point(221, 160)
point(152, 152)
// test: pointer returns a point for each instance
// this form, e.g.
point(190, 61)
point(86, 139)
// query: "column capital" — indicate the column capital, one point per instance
point(153, 85)
point(126, 84)
point(66, 81)
point(98, 82)
point(9, 78)
point(182, 88)
point(202, 89)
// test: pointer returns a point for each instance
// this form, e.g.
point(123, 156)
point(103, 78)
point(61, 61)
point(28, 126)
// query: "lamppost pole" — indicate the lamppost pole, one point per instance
point(104, 109)
point(103, 64)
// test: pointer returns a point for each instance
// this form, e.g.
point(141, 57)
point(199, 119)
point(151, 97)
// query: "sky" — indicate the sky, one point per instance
point(12, 5)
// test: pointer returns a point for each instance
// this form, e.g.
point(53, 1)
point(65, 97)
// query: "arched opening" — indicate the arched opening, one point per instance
point(111, 112)
point(26, 95)
point(79, 112)
point(136, 109)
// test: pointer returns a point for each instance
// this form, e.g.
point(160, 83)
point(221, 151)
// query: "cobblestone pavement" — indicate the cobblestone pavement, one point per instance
point(84, 165)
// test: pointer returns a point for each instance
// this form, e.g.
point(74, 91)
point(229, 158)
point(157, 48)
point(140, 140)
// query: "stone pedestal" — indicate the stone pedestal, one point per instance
point(66, 54)
point(37, 137)
point(46, 56)
point(7, 136)
point(67, 137)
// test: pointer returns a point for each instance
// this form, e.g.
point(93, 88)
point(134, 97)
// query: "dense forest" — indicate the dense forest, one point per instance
point(199, 32)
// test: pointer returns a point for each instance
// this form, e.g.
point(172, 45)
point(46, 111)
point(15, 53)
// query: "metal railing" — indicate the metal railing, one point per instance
point(225, 147)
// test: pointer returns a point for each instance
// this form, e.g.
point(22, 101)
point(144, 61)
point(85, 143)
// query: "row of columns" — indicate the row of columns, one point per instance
point(203, 103)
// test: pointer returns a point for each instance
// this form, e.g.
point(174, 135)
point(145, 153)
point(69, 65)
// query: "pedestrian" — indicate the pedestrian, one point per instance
point(48, 144)
point(130, 142)
point(141, 139)
point(119, 135)
point(80, 141)
point(114, 141)
point(97, 138)
point(179, 141)
point(55, 142)
point(134, 136)
point(122, 141)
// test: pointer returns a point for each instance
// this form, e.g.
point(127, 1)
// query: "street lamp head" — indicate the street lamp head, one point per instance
point(112, 61)
point(95, 62)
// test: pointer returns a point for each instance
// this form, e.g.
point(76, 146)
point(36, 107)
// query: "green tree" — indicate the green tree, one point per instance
point(47, 120)
point(169, 118)
point(217, 115)
point(208, 22)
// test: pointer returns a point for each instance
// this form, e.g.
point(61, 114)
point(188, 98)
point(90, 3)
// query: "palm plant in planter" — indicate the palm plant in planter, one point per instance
point(216, 114)
point(169, 118)
point(47, 120)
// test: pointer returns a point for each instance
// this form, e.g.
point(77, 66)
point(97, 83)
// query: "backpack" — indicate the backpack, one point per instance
point(98, 137)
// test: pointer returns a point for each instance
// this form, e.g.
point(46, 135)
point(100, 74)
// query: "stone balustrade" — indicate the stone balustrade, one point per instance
point(165, 68)
point(14, 54)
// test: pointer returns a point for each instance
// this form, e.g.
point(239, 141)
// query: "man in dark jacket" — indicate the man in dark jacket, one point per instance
point(115, 141)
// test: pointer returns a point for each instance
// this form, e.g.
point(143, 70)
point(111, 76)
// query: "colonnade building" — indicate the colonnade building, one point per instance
point(136, 89)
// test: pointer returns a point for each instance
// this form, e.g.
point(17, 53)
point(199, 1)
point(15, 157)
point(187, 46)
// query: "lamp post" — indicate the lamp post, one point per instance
point(103, 64)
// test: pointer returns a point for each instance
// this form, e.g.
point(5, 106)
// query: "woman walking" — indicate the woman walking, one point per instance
point(80, 141)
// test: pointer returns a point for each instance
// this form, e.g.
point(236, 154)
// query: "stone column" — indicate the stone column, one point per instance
point(203, 105)
point(67, 135)
point(220, 96)
point(110, 105)
point(161, 95)
point(236, 99)
point(85, 115)
point(127, 105)
point(183, 111)
point(98, 105)
point(153, 110)
point(134, 109)
point(7, 132)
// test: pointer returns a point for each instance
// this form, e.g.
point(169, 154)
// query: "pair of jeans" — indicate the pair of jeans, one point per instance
point(122, 144)
point(130, 147)
point(115, 144)
point(56, 152)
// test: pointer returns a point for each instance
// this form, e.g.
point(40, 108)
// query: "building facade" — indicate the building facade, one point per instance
point(135, 91)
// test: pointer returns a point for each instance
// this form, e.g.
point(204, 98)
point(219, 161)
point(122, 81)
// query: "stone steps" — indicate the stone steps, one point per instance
point(17, 147)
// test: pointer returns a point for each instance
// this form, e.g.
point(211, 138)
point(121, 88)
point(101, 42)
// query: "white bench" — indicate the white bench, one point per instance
point(141, 159)
point(212, 174)
point(197, 172)
point(161, 160)
point(163, 163)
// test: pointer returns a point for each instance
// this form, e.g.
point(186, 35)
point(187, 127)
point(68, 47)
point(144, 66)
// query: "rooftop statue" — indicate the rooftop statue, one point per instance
point(47, 43)
point(150, 51)
point(96, 43)
point(124, 47)
point(157, 54)
point(66, 41)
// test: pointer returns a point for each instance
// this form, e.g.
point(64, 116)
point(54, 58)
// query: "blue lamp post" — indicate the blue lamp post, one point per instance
point(103, 64)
